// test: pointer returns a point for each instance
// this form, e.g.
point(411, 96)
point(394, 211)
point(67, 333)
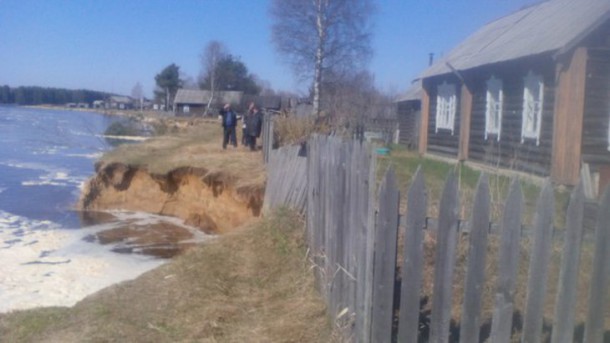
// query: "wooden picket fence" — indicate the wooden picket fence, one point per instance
point(352, 232)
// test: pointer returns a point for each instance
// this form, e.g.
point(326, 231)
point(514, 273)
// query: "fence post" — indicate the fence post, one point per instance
point(538, 269)
point(338, 228)
point(267, 137)
point(384, 272)
point(508, 264)
point(563, 326)
point(475, 275)
point(594, 330)
point(366, 232)
point(413, 260)
point(445, 262)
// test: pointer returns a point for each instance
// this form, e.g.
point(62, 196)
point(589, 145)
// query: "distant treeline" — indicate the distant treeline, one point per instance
point(53, 96)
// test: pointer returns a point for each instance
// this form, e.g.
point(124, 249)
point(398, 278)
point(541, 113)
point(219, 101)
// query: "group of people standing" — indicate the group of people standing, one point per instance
point(251, 126)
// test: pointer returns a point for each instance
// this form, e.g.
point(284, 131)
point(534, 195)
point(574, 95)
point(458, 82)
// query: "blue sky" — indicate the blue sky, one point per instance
point(110, 45)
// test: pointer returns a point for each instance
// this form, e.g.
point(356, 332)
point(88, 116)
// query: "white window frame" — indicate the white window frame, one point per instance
point(446, 100)
point(494, 107)
point(533, 104)
point(609, 130)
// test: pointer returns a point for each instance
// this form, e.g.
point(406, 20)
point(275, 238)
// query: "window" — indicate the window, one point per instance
point(493, 112)
point(609, 134)
point(445, 107)
point(186, 109)
point(533, 96)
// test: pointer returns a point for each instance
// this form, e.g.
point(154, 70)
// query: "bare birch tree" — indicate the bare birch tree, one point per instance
point(318, 37)
point(212, 54)
point(137, 94)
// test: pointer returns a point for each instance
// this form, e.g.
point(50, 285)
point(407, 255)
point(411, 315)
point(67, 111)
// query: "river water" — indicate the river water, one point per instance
point(47, 256)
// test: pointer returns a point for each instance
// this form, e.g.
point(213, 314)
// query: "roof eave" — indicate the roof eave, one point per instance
point(574, 42)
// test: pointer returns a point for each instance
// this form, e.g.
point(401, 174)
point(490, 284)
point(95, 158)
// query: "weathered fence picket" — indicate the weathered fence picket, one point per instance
point(444, 261)
point(413, 260)
point(508, 264)
point(563, 326)
point(475, 275)
point(365, 246)
point(354, 251)
point(386, 236)
point(267, 136)
point(598, 290)
point(539, 261)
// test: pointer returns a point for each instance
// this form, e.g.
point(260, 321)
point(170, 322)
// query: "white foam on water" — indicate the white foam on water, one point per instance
point(91, 156)
point(45, 265)
point(126, 138)
point(49, 150)
point(57, 177)
point(26, 165)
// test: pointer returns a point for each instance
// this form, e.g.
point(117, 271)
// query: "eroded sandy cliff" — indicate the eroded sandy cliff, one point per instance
point(213, 202)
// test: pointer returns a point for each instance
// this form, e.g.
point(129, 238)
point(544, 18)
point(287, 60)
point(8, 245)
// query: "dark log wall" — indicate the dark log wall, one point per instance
point(597, 108)
point(409, 113)
point(509, 152)
point(443, 142)
point(194, 110)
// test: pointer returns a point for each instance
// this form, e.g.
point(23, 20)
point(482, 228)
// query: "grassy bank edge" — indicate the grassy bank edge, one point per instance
point(254, 285)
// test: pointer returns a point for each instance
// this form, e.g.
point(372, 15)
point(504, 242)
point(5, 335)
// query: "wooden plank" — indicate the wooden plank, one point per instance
point(413, 259)
point(600, 279)
point(465, 117)
point(568, 119)
point(367, 232)
point(475, 274)
point(563, 326)
point(538, 268)
point(445, 261)
point(508, 265)
point(425, 116)
point(385, 259)
point(349, 219)
point(338, 278)
point(331, 238)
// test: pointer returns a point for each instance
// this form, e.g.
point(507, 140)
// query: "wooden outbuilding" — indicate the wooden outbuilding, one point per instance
point(529, 91)
point(193, 102)
point(119, 102)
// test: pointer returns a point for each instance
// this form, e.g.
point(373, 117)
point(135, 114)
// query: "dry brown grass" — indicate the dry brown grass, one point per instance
point(291, 129)
point(250, 286)
point(491, 272)
point(199, 146)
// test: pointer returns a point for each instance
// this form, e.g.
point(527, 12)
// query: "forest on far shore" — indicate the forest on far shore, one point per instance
point(33, 95)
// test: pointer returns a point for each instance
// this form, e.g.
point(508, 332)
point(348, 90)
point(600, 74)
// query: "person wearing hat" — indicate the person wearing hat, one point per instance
point(229, 122)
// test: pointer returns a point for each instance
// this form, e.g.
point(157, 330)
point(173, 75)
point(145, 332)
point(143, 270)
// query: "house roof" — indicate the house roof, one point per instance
point(413, 93)
point(120, 99)
point(201, 97)
point(550, 26)
point(191, 96)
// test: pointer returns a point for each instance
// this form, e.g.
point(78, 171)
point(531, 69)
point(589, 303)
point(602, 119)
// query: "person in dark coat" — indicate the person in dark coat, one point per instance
point(254, 123)
point(229, 122)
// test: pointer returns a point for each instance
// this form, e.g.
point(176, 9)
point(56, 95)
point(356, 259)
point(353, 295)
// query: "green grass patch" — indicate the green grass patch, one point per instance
point(405, 164)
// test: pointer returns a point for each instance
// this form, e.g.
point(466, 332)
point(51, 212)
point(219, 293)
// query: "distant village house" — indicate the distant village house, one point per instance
point(194, 102)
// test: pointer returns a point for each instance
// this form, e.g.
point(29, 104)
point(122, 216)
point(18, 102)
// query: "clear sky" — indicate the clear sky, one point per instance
point(110, 45)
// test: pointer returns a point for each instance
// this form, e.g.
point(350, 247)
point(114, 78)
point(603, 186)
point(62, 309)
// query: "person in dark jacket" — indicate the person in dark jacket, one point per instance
point(229, 122)
point(254, 123)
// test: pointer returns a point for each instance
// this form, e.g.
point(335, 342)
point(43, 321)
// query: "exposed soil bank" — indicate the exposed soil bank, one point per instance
point(210, 201)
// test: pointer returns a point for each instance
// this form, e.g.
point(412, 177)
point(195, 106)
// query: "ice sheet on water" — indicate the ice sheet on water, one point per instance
point(46, 265)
